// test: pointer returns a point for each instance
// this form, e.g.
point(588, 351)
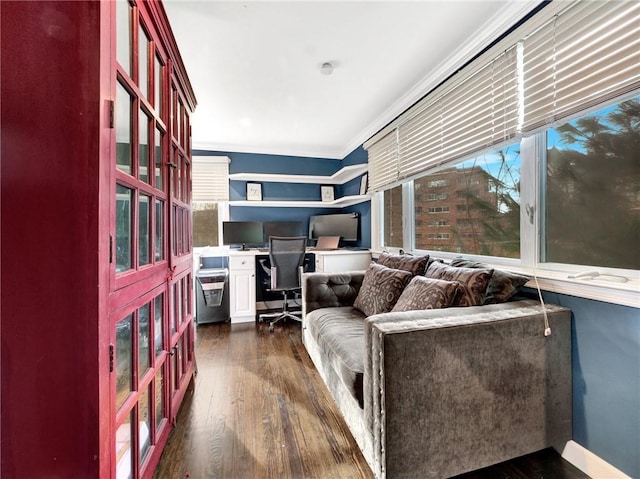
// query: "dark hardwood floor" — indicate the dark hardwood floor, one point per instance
point(260, 410)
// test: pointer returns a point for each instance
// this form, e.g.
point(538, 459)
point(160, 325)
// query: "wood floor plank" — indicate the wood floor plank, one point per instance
point(259, 410)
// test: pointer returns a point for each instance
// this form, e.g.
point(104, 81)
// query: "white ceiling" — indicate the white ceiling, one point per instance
point(255, 66)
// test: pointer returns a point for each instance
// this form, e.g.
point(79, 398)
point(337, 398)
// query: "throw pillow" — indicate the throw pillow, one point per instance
point(427, 293)
point(474, 282)
point(503, 284)
point(381, 288)
point(414, 264)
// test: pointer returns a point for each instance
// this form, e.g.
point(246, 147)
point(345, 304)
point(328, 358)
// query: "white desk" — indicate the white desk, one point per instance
point(242, 275)
point(341, 260)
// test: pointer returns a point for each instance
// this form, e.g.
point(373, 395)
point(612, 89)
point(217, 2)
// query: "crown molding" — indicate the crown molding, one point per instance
point(280, 150)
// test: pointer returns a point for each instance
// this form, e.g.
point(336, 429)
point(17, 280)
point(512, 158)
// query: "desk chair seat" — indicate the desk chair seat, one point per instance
point(286, 255)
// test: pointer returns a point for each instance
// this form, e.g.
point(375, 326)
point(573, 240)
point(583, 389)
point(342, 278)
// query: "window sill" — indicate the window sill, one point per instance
point(626, 294)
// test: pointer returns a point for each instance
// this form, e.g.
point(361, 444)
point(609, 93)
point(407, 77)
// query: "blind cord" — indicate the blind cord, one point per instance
point(547, 327)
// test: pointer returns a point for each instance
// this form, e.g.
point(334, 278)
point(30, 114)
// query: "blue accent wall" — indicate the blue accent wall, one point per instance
point(279, 164)
point(364, 210)
point(606, 379)
point(356, 157)
point(277, 191)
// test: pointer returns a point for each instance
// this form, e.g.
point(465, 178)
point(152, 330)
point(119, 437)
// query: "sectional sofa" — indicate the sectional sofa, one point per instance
point(432, 393)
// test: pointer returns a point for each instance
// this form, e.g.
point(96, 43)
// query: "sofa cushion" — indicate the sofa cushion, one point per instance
point(339, 334)
point(325, 290)
point(414, 264)
point(381, 288)
point(503, 284)
point(474, 282)
point(427, 293)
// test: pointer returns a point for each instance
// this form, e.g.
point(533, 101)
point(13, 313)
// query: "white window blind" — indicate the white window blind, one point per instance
point(383, 170)
point(565, 59)
point(210, 178)
point(479, 111)
point(587, 54)
point(420, 138)
point(483, 110)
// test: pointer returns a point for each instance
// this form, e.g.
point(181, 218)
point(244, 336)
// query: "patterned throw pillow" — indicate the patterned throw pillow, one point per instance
point(427, 293)
point(474, 282)
point(414, 264)
point(381, 288)
point(503, 284)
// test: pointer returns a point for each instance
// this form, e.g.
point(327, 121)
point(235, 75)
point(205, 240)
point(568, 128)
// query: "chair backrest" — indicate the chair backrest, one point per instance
point(286, 254)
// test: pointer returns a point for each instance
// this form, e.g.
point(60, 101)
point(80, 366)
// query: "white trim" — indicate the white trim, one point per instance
point(340, 177)
point(408, 216)
point(376, 221)
point(530, 151)
point(327, 153)
point(627, 294)
point(589, 463)
point(221, 159)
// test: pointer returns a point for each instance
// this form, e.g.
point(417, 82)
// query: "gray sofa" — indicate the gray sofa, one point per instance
point(436, 393)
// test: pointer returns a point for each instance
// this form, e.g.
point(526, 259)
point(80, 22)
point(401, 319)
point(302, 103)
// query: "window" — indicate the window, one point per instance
point(210, 196)
point(438, 209)
point(437, 183)
point(492, 212)
point(393, 233)
point(439, 224)
point(588, 196)
point(124, 355)
point(205, 224)
point(438, 236)
point(437, 196)
point(564, 99)
point(124, 215)
point(593, 189)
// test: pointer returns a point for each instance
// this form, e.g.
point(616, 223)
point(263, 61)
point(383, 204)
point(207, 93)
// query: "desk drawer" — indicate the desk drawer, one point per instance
point(237, 263)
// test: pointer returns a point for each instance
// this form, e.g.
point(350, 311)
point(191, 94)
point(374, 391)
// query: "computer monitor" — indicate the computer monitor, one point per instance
point(242, 233)
point(282, 228)
point(344, 225)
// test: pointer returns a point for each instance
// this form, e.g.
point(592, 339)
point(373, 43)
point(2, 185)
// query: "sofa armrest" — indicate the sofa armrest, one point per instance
point(326, 290)
point(453, 390)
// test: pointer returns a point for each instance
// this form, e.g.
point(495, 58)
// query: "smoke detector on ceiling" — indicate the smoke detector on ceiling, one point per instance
point(326, 68)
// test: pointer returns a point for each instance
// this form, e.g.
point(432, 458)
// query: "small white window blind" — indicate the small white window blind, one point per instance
point(210, 178)
point(384, 169)
point(587, 54)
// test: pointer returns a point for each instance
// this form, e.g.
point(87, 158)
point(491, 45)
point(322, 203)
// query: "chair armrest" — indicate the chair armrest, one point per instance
point(325, 290)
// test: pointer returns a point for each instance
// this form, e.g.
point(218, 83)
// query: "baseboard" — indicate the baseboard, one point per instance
point(589, 463)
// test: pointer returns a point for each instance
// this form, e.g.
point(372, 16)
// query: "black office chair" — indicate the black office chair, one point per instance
point(286, 255)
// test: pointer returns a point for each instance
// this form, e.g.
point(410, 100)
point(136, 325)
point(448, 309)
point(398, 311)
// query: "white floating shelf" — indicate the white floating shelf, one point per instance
point(340, 177)
point(338, 203)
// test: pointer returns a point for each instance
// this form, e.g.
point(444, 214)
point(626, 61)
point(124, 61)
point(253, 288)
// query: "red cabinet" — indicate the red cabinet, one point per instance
point(97, 322)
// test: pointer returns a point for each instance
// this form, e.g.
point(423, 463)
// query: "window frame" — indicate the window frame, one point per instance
point(223, 215)
point(549, 276)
